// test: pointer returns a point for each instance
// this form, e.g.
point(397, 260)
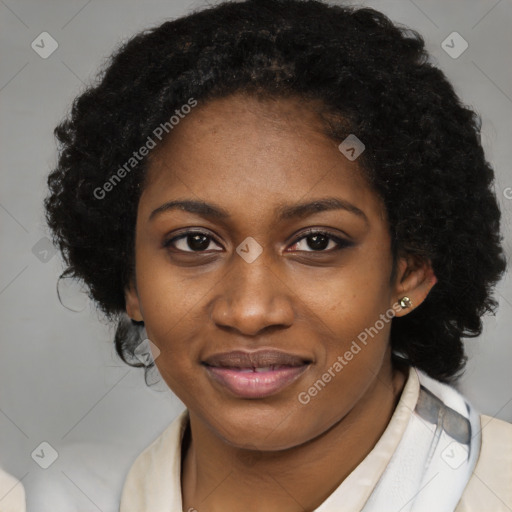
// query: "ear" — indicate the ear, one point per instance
point(132, 302)
point(415, 278)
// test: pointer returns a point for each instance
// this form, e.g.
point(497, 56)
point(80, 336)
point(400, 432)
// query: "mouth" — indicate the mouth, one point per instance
point(255, 374)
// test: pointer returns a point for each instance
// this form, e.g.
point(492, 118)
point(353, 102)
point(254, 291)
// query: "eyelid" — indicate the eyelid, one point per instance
point(183, 234)
point(341, 242)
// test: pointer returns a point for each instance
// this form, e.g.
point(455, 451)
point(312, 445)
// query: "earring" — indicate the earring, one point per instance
point(405, 302)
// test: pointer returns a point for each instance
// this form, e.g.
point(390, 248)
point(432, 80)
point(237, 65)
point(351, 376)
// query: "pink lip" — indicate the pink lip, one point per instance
point(256, 384)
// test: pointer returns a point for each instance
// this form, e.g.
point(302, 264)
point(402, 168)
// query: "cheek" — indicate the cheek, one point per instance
point(348, 299)
point(348, 364)
point(354, 312)
point(168, 306)
point(169, 297)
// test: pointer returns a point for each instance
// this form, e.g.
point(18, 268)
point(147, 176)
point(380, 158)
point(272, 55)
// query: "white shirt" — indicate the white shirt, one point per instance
point(153, 483)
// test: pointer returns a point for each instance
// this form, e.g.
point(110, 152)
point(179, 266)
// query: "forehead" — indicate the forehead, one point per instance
point(251, 154)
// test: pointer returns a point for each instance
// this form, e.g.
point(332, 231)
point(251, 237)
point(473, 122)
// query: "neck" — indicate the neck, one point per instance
point(220, 477)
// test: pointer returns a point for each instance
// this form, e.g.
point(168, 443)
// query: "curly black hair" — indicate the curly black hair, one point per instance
point(374, 78)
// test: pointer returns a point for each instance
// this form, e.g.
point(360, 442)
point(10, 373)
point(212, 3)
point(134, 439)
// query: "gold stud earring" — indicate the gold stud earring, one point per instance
point(405, 302)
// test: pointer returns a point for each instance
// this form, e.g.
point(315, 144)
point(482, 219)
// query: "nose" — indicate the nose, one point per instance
point(252, 297)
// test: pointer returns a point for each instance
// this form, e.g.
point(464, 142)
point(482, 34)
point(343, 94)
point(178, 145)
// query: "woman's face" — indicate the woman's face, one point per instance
point(251, 277)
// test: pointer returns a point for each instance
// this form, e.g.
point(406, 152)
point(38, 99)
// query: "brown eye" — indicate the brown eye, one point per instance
point(319, 241)
point(190, 241)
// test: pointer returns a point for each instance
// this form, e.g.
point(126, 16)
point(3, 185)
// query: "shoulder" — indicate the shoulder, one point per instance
point(153, 481)
point(12, 493)
point(155, 455)
point(490, 486)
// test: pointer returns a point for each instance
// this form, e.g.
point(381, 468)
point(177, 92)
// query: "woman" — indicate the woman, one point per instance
point(292, 204)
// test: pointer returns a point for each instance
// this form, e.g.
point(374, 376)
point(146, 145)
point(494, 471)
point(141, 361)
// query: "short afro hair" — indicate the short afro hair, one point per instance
point(423, 153)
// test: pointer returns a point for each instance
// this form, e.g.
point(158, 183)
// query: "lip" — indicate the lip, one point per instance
point(255, 374)
point(259, 358)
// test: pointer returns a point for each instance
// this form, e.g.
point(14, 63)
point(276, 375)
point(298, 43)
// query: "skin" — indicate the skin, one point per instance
point(250, 156)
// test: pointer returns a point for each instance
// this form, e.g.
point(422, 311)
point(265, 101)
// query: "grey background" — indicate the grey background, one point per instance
point(60, 380)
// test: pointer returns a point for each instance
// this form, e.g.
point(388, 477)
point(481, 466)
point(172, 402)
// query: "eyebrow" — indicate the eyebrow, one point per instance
point(282, 212)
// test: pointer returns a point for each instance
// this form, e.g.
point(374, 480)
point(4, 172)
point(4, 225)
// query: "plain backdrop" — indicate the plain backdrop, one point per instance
point(60, 380)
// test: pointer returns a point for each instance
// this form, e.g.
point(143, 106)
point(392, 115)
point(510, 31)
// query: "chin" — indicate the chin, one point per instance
point(259, 431)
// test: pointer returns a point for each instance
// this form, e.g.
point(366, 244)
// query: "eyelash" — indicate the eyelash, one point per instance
point(341, 243)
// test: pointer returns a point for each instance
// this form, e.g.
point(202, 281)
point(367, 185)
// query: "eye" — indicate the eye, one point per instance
point(319, 241)
point(316, 240)
point(190, 241)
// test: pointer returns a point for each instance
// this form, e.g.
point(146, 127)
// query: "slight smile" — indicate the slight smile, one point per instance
point(255, 374)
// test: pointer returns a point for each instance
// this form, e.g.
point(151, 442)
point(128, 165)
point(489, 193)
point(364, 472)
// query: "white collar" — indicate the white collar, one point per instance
point(409, 455)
